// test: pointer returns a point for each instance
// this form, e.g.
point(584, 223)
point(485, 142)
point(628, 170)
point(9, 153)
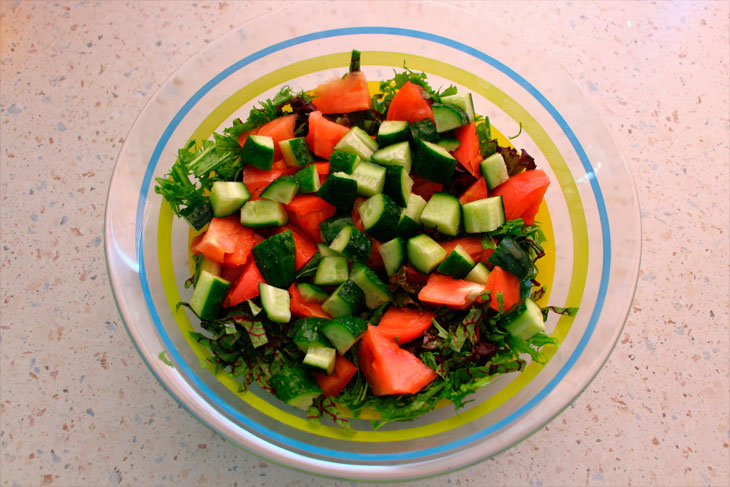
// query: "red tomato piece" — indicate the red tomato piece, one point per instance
point(446, 291)
point(522, 194)
point(257, 179)
point(343, 95)
point(501, 281)
point(405, 324)
point(388, 368)
point(279, 129)
point(333, 384)
point(472, 245)
point(307, 211)
point(409, 105)
point(227, 242)
point(425, 188)
point(477, 191)
point(323, 135)
point(246, 287)
point(468, 151)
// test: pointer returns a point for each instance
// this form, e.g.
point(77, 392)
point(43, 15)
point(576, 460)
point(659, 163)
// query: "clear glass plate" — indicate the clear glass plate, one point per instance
point(591, 215)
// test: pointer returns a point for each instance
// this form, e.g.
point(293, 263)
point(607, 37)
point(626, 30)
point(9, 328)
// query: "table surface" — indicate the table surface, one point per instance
point(80, 408)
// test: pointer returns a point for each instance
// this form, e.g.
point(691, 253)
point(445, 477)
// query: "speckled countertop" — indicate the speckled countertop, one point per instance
point(79, 408)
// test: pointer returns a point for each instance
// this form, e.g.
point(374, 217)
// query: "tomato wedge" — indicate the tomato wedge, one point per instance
point(279, 129)
point(425, 188)
point(323, 135)
point(468, 151)
point(388, 368)
point(446, 291)
point(246, 287)
point(409, 105)
point(501, 281)
point(477, 191)
point(257, 179)
point(307, 211)
point(522, 194)
point(333, 384)
point(405, 324)
point(343, 95)
point(227, 242)
point(304, 309)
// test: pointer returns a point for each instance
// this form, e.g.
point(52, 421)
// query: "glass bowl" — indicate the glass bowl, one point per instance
point(590, 215)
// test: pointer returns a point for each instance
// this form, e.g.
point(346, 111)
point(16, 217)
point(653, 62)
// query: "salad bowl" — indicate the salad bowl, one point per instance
point(590, 217)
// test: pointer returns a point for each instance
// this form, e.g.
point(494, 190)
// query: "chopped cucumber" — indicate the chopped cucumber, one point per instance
point(311, 293)
point(275, 303)
point(478, 274)
point(463, 101)
point(425, 253)
point(331, 271)
point(258, 151)
point(483, 215)
point(393, 254)
point(203, 263)
point(375, 290)
point(344, 331)
point(449, 143)
point(448, 117)
point(442, 212)
point(398, 154)
point(352, 243)
point(325, 251)
point(348, 299)
point(511, 257)
point(398, 185)
point(423, 130)
point(275, 258)
point(322, 358)
point(283, 189)
point(380, 216)
point(339, 190)
point(370, 178)
point(410, 219)
point(308, 333)
point(308, 178)
point(296, 152)
point(526, 320)
point(295, 386)
point(494, 170)
point(392, 131)
point(208, 295)
point(332, 226)
point(343, 162)
point(457, 264)
point(263, 214)
point(227, 197)
point(433, 162)
point(357, 141)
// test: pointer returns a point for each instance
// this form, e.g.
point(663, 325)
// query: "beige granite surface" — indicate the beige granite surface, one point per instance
point(78, 406)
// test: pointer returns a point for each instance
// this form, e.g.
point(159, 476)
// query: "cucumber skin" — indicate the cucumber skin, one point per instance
point(359, 247)
point(344, 331)
point(347, 294)
point(432, 167)
point(291, 383)
point(253, 154)
point(276, 259)
point(386, 227)
point(375, 290)
point(339, 192)
point(511, 258)
point(332, 226)
point(308, 331)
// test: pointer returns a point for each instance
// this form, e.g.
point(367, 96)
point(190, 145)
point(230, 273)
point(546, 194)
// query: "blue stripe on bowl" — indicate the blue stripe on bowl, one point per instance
point(347, 456)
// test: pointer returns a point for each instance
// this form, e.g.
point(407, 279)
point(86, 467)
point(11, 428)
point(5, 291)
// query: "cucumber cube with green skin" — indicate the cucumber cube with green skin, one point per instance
point(409, 223)
point(423, 130)
point(511, 257)
point(308, 333)
point(424, 253)
point(433, 162)
point(321, 358)
point(283, 189)
point(227, 197)
point(449, 143)
point(457, 264)
point(375, 290)
point(312, 293)
point(343, 162)
point(332, 226)
point(463, 101)
point(258, 151)
point(308, 178)
point(344, 331)
point(325, 251)
point(352, 243)
point(398, 185)
point(339, 190)
point(276, 259)
point(448, 117)
point(525, 321)
point(331, 271)
point(348, 299)
point(391, 132)
point(494, 170)
point(208, 295)
point(275, 303)
point(442, 212)
point(398, 154)
point(393, 254)
point(296, 152)
point(380, 216)
point(295, 386)
point(263, 214)
point(357, 141)
point(484, 215)
point(478, 274)
point(370, 178)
